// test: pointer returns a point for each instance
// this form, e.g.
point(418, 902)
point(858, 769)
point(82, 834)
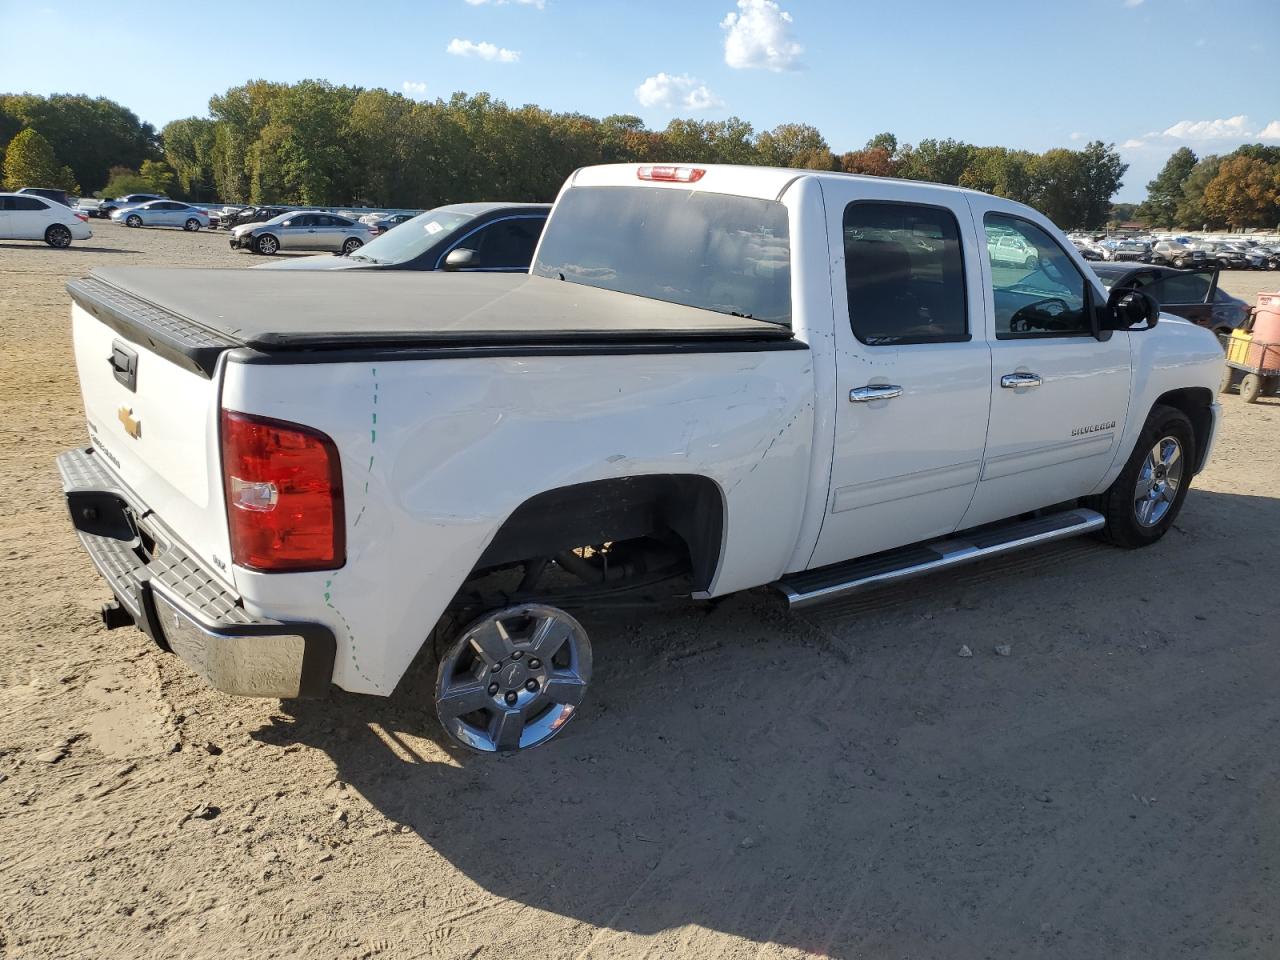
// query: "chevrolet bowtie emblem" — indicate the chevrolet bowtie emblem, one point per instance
point(131, 426)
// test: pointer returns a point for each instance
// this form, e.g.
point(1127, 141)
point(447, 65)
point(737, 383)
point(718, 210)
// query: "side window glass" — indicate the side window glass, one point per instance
point(1037, 290)
point(508, 243)
point(27, 203)
point(6, 203)
point(1181, 288)
point(904, 273)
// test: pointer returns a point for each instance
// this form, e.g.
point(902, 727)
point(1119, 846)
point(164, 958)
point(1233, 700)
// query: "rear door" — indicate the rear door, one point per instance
point(913, 369)
point(30, 217)
point(8, 219)
point(1059, 396)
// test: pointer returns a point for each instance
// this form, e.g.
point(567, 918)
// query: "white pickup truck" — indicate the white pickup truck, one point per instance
point(715, 378)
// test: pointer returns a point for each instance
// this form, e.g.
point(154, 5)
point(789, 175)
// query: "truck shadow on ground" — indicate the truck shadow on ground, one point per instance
point(76, 247)
point(846, 784)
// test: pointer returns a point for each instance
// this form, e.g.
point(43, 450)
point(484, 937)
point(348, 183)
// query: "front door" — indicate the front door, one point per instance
point(913, 369)
point(1059, 395)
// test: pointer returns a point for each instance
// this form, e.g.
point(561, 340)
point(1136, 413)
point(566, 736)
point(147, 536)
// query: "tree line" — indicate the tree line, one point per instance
point(1240, 189)
point(316, 143)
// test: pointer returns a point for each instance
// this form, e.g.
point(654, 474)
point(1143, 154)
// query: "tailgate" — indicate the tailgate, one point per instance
point(154, 419)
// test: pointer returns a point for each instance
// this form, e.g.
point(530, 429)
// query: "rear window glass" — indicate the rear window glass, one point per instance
point(707, 250)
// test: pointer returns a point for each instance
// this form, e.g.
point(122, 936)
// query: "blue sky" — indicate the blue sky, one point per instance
point(1149, 75)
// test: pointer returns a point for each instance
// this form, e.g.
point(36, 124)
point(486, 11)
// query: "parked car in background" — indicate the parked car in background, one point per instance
point(1270, 254)
point(302, 230)
point(233, 217)
point(1174, 253)
point(1011, 248)
point(163, 213)
point(383, 224)
point(1089, 250)
point(49, 193)
point(1191, 294)
point(486, 237)
point(108, 207)
point(1131, 250)
point(87, 206)
point(25, 216)
point(1225, 256)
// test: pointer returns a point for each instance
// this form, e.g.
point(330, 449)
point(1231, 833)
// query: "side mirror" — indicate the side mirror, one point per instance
point(460, 258)
point(1127, 308)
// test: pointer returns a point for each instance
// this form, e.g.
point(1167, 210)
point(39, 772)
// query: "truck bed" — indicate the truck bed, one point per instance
point(194, 315)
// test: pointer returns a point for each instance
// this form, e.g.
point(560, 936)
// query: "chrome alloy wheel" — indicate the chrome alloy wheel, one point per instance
point(1158, 482)
point(514, 678)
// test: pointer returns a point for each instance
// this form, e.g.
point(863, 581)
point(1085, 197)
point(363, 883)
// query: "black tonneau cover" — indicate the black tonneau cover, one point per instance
point(203, 312)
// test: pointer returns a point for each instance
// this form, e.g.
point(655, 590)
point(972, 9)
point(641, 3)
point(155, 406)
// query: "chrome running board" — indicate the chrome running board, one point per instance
point(842, 579)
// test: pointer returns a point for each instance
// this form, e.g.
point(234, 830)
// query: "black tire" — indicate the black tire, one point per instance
point(58, 235)
point(1250, 388)
point(266, 245)
point(1180, 264)
point(1117, 504)
point(191, 225)
point(133, 220)
point(351, 244)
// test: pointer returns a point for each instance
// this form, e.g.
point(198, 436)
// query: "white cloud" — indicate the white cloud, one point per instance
point(1206, 133)
point(414, 88)
point(1271, 131)
point(1077, 135)
point(484, 50)
point(664, 90)
point(759, 35)
point(1127, 3)
point(539, 4)
point(1237, 126)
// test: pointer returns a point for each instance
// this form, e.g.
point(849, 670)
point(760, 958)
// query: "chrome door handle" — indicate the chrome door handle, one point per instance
point(1014, 381)
point(874, 391)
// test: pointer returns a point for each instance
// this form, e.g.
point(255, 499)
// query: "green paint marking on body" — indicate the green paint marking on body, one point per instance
point(373, 436)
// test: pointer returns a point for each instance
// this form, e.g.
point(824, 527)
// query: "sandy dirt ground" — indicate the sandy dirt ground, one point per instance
point(742, 784)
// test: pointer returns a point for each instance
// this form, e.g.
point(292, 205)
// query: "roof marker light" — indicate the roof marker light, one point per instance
point(671, 174)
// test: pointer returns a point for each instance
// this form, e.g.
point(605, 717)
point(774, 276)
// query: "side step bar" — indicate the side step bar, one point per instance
point(842, 579)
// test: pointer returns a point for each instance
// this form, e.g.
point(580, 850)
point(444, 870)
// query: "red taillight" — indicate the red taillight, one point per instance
point(82, 218)
point(283, 485)
point(674, 174)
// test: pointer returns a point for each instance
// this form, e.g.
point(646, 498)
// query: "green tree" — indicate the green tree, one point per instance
point(122, 181)
point(29, 161)
point(1103, 174)
point(1164, 193)
point(189, 150)
point(794, 145)
point(159, 175)
point(937, 161)
point(89, 134)
point(1191, 211)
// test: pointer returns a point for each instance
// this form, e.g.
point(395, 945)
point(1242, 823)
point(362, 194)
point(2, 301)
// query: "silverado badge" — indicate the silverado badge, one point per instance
point(131, 426)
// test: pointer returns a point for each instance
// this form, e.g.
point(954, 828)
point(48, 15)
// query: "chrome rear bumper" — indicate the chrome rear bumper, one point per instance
point(181, 606)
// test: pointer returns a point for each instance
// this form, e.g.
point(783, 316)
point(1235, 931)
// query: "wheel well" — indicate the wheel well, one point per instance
point(624, 508)
point(1197, 404)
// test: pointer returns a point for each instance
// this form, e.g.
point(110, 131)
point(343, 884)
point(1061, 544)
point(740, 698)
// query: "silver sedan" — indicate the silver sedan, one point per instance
point(302, 230)
point(163, 213)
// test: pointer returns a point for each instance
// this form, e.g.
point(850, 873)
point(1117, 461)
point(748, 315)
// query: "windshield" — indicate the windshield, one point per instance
point(707, 250)
point(412, 237)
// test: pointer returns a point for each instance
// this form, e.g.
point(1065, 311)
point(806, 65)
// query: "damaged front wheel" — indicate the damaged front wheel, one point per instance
point(513, 678)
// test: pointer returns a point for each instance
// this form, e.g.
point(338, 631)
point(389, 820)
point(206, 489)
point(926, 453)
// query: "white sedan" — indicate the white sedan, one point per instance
point(163, 213)
point(24, 216)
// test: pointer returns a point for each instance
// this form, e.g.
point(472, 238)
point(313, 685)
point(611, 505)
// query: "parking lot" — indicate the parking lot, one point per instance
point(746, 783)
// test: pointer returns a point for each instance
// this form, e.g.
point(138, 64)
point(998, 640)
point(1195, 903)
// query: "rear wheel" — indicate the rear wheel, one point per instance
point(1224, 386)
point(133, 220)
point(513, 678)
point(191, 225)
point(351, 245)
point(1250, 388)
point(1142, 503)
point(266, 244)
point(58, 235)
